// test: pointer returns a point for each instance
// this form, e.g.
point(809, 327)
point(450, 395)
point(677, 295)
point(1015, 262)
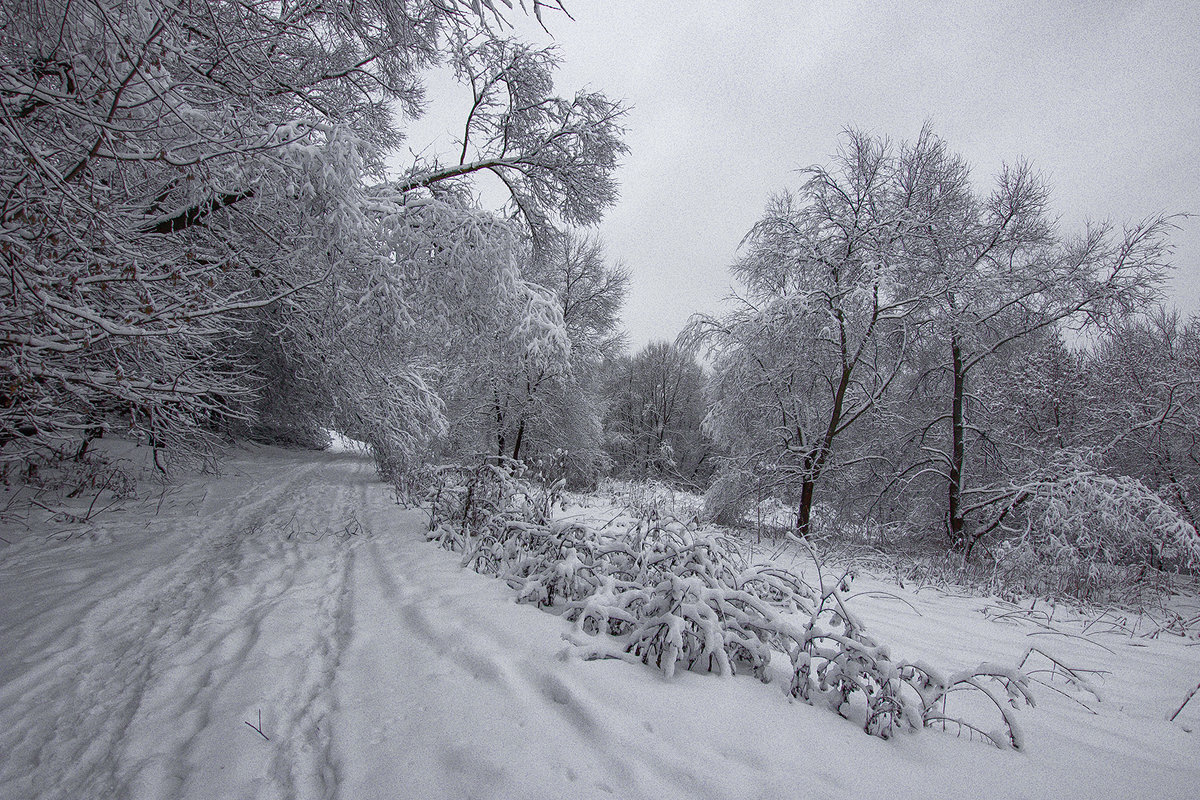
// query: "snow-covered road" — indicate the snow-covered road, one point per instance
point(292, 586)
point(131, 661)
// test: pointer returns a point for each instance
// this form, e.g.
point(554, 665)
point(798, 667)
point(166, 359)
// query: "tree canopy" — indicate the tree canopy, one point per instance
point(199, 234)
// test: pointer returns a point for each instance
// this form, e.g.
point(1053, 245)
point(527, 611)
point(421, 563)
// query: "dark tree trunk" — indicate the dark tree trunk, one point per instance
point(499, 424)
point(955, 522)
point(804, 511)
point(814, 463)
point(517, 445)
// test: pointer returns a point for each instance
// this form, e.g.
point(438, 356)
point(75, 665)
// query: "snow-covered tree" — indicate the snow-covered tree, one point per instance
point(1141, 413)
point(556, 158)
point(590, 290)
point(196, 222)
point(819, 333)
point(990, 272)
point(893, 322)
point(165, 171)
point(153, 165)
point(555, 155)
point(655, 414)
point(545, 402)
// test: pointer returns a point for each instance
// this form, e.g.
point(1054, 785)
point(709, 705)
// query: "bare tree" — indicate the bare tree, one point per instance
point(991, 272)
point(654, 416)
point(820, 332)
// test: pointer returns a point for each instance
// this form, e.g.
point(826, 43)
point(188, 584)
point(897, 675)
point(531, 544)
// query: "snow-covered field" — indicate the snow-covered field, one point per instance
point(137, 655)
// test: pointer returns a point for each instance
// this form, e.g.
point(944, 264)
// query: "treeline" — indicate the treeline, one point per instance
point(201, 238)
point(912, 356)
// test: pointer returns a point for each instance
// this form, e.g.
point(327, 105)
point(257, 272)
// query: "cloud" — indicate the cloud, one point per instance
point(730, 100)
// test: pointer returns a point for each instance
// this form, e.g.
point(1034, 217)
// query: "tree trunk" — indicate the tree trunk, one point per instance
point(814, 463)
point(955, 522)
point(804, 510)
point(520, 435)
point(499, 424)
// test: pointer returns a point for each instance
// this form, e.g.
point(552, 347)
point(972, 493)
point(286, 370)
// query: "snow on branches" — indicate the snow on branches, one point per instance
point(1074, 530)
point(161, 182)
point(663, 593)
point(196, 211)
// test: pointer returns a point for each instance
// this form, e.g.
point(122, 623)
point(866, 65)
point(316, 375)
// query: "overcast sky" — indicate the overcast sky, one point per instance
point(730, 99)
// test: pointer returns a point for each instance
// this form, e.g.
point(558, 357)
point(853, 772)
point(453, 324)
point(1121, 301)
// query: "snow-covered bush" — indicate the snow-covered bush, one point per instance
point(1093, 517)
point(1084, 534)
point(674, 598)
point(730, 497)
point(663, 593)
point(846, 668)
point(471, 502)
point(652, 499)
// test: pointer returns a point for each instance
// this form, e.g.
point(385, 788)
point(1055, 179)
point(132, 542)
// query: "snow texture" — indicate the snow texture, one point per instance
point(138, 652)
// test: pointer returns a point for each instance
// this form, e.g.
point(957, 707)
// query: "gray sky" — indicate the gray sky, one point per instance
point(730, 99)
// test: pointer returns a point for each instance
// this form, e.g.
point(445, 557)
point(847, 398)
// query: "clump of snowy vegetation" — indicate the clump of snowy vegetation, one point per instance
point(665, 593)
point(1091, 536)
point(1075, 533)
point(71, 487)
point(653, 498)
point(1092, 518)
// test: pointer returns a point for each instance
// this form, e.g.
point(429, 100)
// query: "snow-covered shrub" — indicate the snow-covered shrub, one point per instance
point(662, 593)
point(653, 499)
point(469, 503)
point(841, 665)
point(1093, 517)
point(729, 498)
point(95, 472)
point(1089, 535)
point(674, 598)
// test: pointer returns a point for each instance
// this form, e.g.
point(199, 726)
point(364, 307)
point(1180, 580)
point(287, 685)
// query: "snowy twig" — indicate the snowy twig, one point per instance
point(258, 727)
point(1074, 676)
point(1186, 700)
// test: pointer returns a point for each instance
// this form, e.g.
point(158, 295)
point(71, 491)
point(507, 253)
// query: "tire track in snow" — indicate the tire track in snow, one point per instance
point(74, 734)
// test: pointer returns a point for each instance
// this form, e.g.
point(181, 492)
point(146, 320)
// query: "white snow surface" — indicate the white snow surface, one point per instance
point(137, 652)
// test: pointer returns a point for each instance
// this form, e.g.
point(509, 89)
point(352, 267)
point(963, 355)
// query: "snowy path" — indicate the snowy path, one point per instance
point(133, 675)
point(131, 661)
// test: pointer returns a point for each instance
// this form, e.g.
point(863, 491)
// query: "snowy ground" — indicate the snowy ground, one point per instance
point(133, 658)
